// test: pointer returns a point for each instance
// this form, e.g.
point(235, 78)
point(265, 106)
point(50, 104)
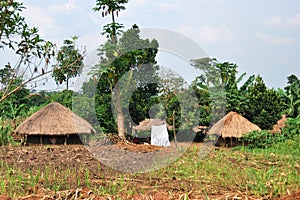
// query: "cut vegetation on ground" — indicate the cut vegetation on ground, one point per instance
point(66, 171)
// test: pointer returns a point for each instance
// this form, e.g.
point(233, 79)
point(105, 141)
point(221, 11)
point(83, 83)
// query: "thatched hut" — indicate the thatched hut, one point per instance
point(147, 123)
point(145, 126)
point(230, 127)
point(280, 125)
point(55, 124)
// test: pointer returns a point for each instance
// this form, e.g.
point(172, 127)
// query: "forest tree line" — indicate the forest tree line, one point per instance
point(126, 56)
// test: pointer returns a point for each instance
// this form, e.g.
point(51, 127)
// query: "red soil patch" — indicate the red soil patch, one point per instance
point(294, 196)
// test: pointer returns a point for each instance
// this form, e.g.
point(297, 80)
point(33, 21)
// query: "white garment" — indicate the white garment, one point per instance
point(160, 136)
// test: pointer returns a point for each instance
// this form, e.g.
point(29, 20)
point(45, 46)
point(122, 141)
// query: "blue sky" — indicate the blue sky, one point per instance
point(261, 37)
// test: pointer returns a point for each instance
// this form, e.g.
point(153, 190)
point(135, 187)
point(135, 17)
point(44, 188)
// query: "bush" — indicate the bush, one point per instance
point(292, 129)
point(261, 139)
point(5, 130)
point(264, 139)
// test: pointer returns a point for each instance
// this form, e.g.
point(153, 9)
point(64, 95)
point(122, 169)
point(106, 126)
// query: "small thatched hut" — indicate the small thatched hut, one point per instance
point(280, 125)
point(231, 126)
point(147, 123)
point(55, 124)
point(146, 126)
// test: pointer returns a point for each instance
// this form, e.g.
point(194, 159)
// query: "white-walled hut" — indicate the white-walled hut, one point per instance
point(231, 126)
point(55, 124)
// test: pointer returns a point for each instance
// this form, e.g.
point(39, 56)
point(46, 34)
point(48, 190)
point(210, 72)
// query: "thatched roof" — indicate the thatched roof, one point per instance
point(280, 125)
point(200, 129)
point(54, 119)
point(232, 125)
point(147, 123)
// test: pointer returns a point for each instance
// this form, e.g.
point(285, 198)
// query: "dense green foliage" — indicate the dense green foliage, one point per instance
point(290, 97)
point(126, 71)
point(264, 106)
point(265, 139)
point(5, 130)
point(219, 89)
point(109, 66)
point(126, 80)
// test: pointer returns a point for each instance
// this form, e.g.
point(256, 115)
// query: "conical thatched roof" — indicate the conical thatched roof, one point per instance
point(54, 119)
point(280, 125)
point(147, 123)
point(232, 125)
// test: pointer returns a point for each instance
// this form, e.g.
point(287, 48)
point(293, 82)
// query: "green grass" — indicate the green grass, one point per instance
point(256, 172)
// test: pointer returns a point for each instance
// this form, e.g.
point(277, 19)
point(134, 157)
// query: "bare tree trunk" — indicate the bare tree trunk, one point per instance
point(120, 116)
point(118, 105)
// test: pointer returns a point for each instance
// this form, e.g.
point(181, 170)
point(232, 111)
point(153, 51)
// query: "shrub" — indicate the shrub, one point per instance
point(261, 139)
point(264, 139)
point(5, 130)
point(292, 128)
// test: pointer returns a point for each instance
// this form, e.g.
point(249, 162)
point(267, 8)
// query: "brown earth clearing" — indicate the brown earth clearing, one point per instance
point(78, 172)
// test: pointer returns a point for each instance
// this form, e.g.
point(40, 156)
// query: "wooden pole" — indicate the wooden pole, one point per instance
point(88, 139)
point(65, 143)
point(25, 143)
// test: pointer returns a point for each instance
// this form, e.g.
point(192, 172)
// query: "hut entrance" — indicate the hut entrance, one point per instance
point(56, 139)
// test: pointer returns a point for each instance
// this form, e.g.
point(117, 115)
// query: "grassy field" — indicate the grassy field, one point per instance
point(223, 173)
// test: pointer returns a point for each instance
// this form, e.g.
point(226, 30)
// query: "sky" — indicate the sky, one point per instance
point(261, 37)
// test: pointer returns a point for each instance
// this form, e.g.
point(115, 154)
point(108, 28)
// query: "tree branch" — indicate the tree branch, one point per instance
point(22, 84)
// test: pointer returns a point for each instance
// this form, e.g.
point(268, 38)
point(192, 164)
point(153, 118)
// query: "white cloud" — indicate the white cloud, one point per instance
point(278, 21)
point(187, 30)
point(139, 3)
point(69, 6)
point(294, 21)
point(41, 18)
point(91, 41)
point(210, 34)
point(275, 40)
point(165, 7)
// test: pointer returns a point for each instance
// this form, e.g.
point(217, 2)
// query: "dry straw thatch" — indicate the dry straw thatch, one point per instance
point(232, 125)
point(54, 119)
point(147, 123)
point(280, 125)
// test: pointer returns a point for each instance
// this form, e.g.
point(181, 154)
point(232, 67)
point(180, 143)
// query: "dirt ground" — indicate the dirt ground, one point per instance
point(107, 160)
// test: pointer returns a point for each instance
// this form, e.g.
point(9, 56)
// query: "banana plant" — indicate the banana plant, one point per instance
point(291, 99)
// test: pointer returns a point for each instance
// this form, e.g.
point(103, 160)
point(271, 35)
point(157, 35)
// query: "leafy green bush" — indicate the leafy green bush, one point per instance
point(261, 139)
point(5, 130)
point(292, 129)
point(264, 139)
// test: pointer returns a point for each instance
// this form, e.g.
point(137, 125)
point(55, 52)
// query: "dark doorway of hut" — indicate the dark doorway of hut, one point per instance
point(77, 139)
point(226, 142)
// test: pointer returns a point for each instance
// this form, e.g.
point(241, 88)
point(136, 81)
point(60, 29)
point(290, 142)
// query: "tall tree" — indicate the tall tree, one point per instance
point(130, 70)
point(111, 30)
point(117, 59)
point(225, 75)
point(70, 62)
point(264, 104)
